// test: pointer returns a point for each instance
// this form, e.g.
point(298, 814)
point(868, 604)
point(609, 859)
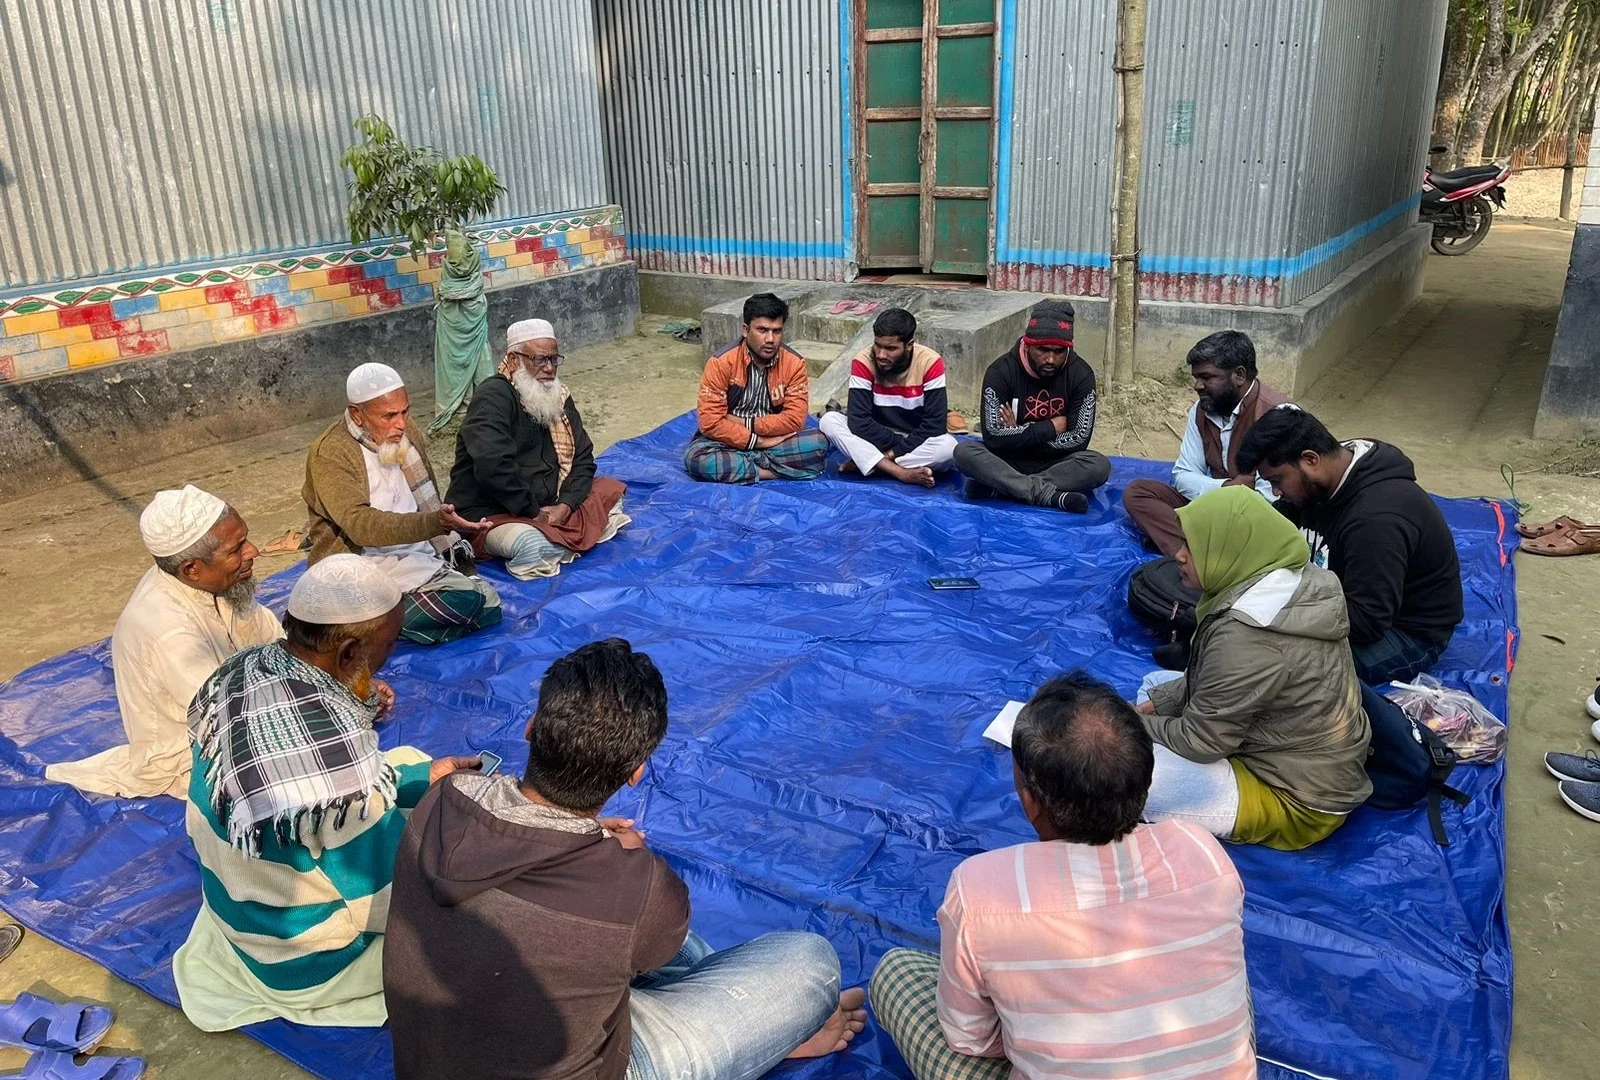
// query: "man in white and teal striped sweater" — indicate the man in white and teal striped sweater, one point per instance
point(296, 814)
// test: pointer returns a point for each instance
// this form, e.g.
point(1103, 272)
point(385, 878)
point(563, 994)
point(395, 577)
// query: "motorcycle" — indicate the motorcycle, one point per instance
point(1457, 203)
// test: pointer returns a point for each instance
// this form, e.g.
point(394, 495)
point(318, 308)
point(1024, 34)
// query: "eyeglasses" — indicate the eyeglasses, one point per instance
point(554, 360)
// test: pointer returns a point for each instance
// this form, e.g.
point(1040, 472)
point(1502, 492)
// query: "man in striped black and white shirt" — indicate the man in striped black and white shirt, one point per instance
point(897, 420)
point(1109, 949)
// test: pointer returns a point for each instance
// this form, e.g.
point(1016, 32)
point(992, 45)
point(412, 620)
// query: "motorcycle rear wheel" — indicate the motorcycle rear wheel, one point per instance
point(1449, 240)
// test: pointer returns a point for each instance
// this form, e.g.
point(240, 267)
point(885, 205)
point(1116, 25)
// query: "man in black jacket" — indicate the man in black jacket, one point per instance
point(1370, 523)
point(1037, 416)
point(525, 463)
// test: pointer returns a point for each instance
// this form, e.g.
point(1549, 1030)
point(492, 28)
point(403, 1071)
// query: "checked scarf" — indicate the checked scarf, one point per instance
point(414, 468)
point(282, 740)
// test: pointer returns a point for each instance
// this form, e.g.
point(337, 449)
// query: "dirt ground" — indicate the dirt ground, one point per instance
point(1455, 382)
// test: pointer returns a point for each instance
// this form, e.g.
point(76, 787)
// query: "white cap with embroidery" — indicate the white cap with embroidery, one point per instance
point(176, 519)
point(343, 589)
point(371, 381)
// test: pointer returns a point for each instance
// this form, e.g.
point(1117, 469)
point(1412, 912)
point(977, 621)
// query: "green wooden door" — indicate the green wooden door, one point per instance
point(927, 113)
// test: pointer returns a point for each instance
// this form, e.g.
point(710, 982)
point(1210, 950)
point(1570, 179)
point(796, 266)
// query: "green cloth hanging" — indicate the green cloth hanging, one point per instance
point(461, 330)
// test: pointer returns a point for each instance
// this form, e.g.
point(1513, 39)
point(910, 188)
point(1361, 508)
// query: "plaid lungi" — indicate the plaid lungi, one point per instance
point(448, 606)
point(904, 997)
point(800, 457)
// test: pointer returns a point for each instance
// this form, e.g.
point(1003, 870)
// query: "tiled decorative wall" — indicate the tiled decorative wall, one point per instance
point(47, 333)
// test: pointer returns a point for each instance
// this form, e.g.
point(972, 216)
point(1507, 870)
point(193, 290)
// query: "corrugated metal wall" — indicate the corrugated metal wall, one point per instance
point(1053, 195)
point(1282, 142)
point(725, 134)
point(1365, 137)
point(143, 133)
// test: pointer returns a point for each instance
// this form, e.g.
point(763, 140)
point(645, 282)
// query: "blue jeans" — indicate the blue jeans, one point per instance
point(1394, 656)
point(731, 1015)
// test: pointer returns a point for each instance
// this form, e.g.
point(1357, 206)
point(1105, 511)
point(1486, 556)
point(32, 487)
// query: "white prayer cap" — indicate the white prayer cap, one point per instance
point(343, 589)
point(371, 381)
point(528, 330)
point(176, 519)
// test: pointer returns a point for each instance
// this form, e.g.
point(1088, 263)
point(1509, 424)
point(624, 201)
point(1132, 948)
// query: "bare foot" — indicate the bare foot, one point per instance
point(922, 476)
point(766, 474)
point(845, 1024)
point(848, 467)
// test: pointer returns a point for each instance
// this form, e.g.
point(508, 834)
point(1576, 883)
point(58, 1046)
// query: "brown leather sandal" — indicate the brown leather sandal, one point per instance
point(1584, 540)
point(1560, 524)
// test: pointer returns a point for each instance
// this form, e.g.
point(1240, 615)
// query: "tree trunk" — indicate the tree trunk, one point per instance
point(1455, 75)
point(1500, 69)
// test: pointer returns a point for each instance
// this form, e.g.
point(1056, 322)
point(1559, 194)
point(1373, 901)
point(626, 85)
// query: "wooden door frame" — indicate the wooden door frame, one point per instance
point(928, 115)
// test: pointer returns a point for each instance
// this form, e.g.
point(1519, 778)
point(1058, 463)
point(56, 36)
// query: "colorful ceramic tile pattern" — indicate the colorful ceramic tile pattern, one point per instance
point(46, 333)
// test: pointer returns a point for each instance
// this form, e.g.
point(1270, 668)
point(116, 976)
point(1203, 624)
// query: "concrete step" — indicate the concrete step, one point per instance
point(970, 327)
point(819, 354)
point(819, 323)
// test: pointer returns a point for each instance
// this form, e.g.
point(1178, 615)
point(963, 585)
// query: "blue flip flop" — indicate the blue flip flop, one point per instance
point(55, 1065)
point(36, 1023)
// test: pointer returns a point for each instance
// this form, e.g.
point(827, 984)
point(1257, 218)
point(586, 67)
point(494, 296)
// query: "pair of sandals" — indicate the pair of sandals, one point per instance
point(856, 307)
point(1563, 536)
point(56, 1033)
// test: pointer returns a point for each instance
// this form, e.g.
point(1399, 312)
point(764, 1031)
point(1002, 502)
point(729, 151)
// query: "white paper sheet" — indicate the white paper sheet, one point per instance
point(999, 728)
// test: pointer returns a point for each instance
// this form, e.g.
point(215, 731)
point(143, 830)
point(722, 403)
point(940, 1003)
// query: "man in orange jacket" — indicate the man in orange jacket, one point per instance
point(752, 407)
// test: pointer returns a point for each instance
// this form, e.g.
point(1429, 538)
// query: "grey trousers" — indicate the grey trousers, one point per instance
point(1082, 470)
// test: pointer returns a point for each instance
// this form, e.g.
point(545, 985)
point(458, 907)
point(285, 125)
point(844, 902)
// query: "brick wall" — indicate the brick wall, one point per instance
point(44, 333)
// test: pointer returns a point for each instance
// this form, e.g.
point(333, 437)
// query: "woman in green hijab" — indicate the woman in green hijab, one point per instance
point(1262, 740)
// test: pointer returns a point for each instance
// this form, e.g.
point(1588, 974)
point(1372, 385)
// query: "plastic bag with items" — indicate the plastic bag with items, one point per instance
point(1472, 731)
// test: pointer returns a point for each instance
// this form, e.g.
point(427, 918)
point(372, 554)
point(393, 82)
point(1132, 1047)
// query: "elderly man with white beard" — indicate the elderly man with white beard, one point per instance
point(370, 491)
point(191, 611)
point(525, 464)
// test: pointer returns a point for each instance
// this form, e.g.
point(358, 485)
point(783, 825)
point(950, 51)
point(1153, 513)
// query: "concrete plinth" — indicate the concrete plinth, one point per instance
point(84, 424)
point(1569, 408)
point(971, 327)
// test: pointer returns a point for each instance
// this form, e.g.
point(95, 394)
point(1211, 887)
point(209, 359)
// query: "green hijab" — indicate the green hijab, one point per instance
point(1234, 536)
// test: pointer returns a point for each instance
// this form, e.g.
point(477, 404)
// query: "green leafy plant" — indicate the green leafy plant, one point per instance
point(401, 190)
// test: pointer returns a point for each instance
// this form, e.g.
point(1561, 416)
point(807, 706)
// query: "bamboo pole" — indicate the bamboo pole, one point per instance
point(1122, 320)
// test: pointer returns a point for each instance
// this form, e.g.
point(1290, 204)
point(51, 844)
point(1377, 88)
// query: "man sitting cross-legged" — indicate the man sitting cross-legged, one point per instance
point(1231, 399)
point(897, 420)
point(1037, 417)
point(370, 491)
point(752, 407)
point(1108, 949)
point(295, 813)
point(530, 938)
point(191, 611)
point(525, 463)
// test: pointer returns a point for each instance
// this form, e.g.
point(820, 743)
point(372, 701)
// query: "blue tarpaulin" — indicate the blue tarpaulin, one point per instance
point(824, 768)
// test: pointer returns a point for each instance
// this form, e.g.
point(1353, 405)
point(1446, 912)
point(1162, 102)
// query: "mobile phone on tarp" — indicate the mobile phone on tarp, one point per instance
point(491, 762)
point(943, 583)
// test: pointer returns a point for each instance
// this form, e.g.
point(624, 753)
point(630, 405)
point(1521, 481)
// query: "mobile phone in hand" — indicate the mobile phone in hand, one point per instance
point(491, 762)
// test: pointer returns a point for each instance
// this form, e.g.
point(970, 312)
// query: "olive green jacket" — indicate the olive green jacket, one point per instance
point(1272, 683)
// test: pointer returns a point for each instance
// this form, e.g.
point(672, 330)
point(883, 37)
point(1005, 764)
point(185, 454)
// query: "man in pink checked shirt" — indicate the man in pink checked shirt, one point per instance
point(1110, 949)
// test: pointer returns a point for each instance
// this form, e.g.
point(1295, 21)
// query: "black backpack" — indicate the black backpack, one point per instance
point(1407, 763)
point(1158, 598)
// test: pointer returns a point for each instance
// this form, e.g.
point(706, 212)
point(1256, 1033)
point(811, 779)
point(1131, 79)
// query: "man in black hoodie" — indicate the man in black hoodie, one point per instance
point(1037, 416)
point(1370, 523)
point(530, 938)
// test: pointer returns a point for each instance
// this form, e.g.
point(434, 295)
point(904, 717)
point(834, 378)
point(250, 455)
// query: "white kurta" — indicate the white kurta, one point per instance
point(409, 566)
point(168, 640)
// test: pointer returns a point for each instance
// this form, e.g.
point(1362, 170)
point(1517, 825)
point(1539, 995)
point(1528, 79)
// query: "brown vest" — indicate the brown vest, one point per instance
point(1257, 400)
